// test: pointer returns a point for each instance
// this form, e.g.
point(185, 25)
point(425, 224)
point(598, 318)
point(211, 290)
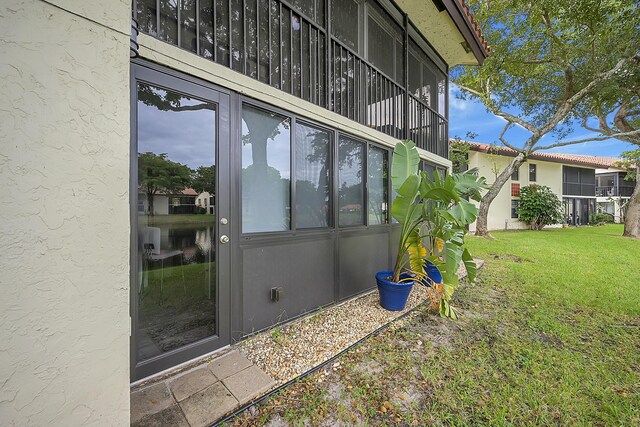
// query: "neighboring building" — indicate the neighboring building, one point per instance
point(206, 201)
point(296, 106)
point(613, 191)
point(572, 177)
point(183, 202)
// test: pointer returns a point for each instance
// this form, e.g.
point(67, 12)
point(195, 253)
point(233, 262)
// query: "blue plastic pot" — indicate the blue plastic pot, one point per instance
point(393, 296)
point(433, 273)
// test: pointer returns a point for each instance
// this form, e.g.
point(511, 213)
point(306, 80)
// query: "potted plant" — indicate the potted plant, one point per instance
point(432, 213)
point(394, 286)
point(447, 214)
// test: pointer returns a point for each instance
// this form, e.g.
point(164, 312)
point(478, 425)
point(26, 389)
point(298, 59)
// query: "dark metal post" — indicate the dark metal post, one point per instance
point(327, 51)
point(406, 77)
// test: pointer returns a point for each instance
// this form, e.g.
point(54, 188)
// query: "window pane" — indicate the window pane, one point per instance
point(206, 28)
point(351, 186)
point(169, 21)
point(344, 22)
point(532, 173)
point(222, 33)
point(378, 185)
point(265, 171)
point(176, 276)
point(188, 25)
point(146, 15)
point(313, 173)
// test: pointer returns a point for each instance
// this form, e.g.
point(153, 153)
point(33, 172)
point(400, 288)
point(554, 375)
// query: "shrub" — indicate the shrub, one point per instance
point(539, 206)
point(600, 219)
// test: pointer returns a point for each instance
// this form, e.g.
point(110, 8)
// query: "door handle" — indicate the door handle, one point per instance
point(224, 239)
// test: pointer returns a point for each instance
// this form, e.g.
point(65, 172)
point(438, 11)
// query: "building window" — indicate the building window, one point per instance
point(266, 171)
point(515, 190)
point(515, 176)
point(378, 185)
point(313, 172)
point(514, 208)
point(350, 182)
point(532, 173)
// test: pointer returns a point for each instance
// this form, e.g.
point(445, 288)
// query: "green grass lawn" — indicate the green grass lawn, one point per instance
point(549, 335)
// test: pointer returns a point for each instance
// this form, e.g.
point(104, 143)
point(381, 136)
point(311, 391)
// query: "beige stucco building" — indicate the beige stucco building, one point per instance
point(81, 103)
point(571, 177)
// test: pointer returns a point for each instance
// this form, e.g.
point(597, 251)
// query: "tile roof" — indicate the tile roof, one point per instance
point(475, 26)
point(575, 159)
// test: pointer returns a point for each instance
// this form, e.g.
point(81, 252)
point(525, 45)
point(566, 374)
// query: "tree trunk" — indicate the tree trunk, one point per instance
point(632, 220)
point(489, 196)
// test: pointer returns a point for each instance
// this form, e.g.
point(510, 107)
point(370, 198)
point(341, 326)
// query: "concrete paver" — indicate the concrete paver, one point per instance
point(248, 383)
point(172, 416)
point(150, 400)
point(206, 406)
point(229, 364)
point(191, 382)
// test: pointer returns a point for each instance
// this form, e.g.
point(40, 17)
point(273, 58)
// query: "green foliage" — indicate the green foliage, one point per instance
point(432, 209)
point(545, 51)
point(600, 219)
point(539, 206)
point(459, 152)
point(204, 179)
point(156, 173)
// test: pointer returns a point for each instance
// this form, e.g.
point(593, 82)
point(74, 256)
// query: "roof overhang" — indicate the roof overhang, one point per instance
point(450, 29)
point(566, 159)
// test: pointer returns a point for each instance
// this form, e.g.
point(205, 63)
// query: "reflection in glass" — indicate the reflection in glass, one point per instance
point(188, 25)
point(176, 253)
point(169, 21)
point(351, 186)
point(312, 176)
point(266, 171)
point(377, 185)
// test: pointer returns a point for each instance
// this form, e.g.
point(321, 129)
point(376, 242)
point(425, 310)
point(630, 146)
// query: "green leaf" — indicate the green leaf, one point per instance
point(470, 265)
point(404, 164)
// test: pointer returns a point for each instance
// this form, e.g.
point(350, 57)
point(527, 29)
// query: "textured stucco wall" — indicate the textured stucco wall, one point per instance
point(64, 212)
point(548, 173)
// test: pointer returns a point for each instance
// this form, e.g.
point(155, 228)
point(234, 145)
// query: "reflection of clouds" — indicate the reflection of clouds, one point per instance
point(188, 137)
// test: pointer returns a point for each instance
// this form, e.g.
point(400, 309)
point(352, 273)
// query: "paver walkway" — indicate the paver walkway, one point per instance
point(201, 395)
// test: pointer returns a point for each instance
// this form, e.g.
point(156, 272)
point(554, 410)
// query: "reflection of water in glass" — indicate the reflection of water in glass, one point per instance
point(196, 242)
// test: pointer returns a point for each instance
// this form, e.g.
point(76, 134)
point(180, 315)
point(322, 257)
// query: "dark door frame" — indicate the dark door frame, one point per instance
point(160, 76)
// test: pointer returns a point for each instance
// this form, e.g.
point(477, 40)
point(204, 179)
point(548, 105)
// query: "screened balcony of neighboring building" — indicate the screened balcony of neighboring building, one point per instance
point(613, 185)
point(362, 59)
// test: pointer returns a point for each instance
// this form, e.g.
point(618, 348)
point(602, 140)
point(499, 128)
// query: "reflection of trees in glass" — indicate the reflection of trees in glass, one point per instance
point(204, 179)
point(312, 177)
point(351, 191)
point(169, 101)
point(377, 185)
point(265, 194)
point(156, 173)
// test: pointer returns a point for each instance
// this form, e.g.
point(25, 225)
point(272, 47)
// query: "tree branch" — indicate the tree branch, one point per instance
point(565, 108)
point(501, 137)
point(595, 138)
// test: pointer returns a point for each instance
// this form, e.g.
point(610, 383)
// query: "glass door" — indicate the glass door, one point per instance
point(179, 292)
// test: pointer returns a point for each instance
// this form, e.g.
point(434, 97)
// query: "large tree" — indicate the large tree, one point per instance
point(616, 111)
point(157, 174)
point(549, 58)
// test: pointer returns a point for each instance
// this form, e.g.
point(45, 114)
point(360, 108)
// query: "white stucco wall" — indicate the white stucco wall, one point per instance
point(548, 173)
point(64, 212)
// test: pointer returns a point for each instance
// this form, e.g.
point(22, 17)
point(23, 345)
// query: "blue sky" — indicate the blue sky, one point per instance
point(472, 116)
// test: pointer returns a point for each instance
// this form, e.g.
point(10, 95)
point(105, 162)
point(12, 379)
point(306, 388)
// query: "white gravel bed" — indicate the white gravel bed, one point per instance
point(288, 351)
